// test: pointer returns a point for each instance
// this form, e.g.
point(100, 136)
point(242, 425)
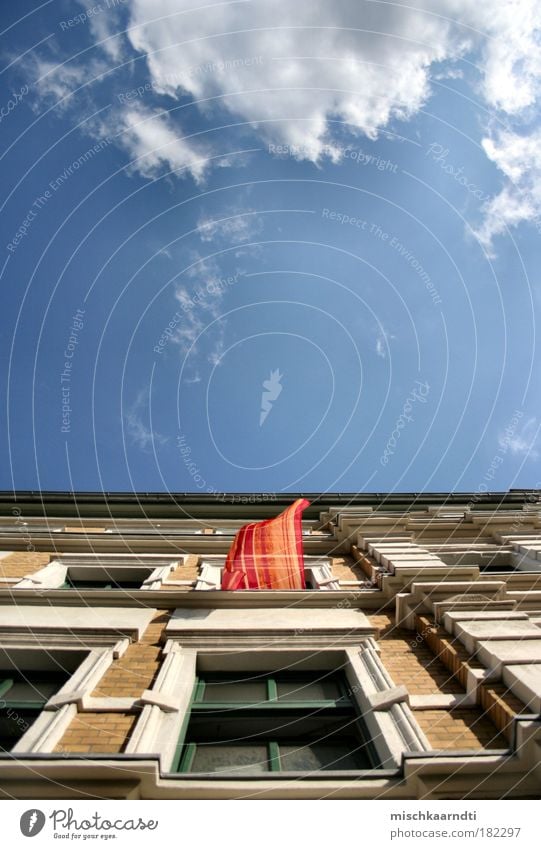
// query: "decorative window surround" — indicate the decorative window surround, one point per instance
point(153, 569)
point(104, 633)
point(392, 726)
point(387, 715)
point(168, 702)
point(239, 640)
point(318, 572)
point(49, 727)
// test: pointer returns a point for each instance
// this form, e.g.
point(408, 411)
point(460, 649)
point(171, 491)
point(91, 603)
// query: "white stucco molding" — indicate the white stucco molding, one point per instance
point(508, 644)
point(166, 705)
point(439, 597)
point(169, 704)
point(318, 573)
point(392, 725)
point(384, 699)
point(84, 680)
point(293, 627)
point(118, 622)
point(47, 731)
point(49, 577)
point(210, 576)
point(159, 576)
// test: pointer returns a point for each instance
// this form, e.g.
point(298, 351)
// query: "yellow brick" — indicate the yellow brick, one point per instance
point(22, 563)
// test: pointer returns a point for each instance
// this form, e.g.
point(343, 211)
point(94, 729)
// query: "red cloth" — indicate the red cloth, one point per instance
point(268, 555)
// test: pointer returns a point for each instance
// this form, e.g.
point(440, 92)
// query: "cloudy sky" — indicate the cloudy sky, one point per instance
point(265, 246)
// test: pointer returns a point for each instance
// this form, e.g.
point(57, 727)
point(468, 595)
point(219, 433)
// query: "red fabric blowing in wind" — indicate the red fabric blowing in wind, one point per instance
point(268, 555)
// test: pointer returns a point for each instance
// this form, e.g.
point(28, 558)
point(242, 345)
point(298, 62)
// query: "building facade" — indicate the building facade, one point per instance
point(410, 667)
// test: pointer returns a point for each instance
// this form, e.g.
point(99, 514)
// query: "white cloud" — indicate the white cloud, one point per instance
point(218, 345)
point(55, 81)
point(155, 145)
point(106, 27)
point(200, 306)
point(518, 156)
point(511, 84)
point(291, 70)
point(288, 69)
point(190, 325)
point(382, 343)
point(523, 443)
point(137, 421)
point(238, 227)
point(301, 74)
point(512, 60)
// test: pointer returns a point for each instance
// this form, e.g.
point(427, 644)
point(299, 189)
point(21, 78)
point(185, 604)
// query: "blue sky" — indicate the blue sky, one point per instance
point(261, 248)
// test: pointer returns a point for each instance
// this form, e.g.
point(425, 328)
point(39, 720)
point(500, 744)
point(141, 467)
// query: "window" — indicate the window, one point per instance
point(23, 695)
point(247, 723)
point(106, 581)
point(102, 572)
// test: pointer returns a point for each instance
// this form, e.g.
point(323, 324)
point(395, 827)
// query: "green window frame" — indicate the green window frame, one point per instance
point(325, 733)
point(18, 713)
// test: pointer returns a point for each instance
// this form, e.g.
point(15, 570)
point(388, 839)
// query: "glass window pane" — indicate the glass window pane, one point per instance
point(26, 691)
point(13, 724)
point(247, 692)
point(308, 691)
point(106, 583)
point(313, 756)
point(232, 759)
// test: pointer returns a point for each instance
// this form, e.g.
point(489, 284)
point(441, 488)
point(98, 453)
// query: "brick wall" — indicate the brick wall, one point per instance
point(465, 728)
point(410, 661)
point(98, 733)
point(365, 562)
point(136, 670)
point(21, 563)
point(428, 662)
point(128, 676)
point(448, 649)
point(188, 571)
point(346, 569)
point(501, 706)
